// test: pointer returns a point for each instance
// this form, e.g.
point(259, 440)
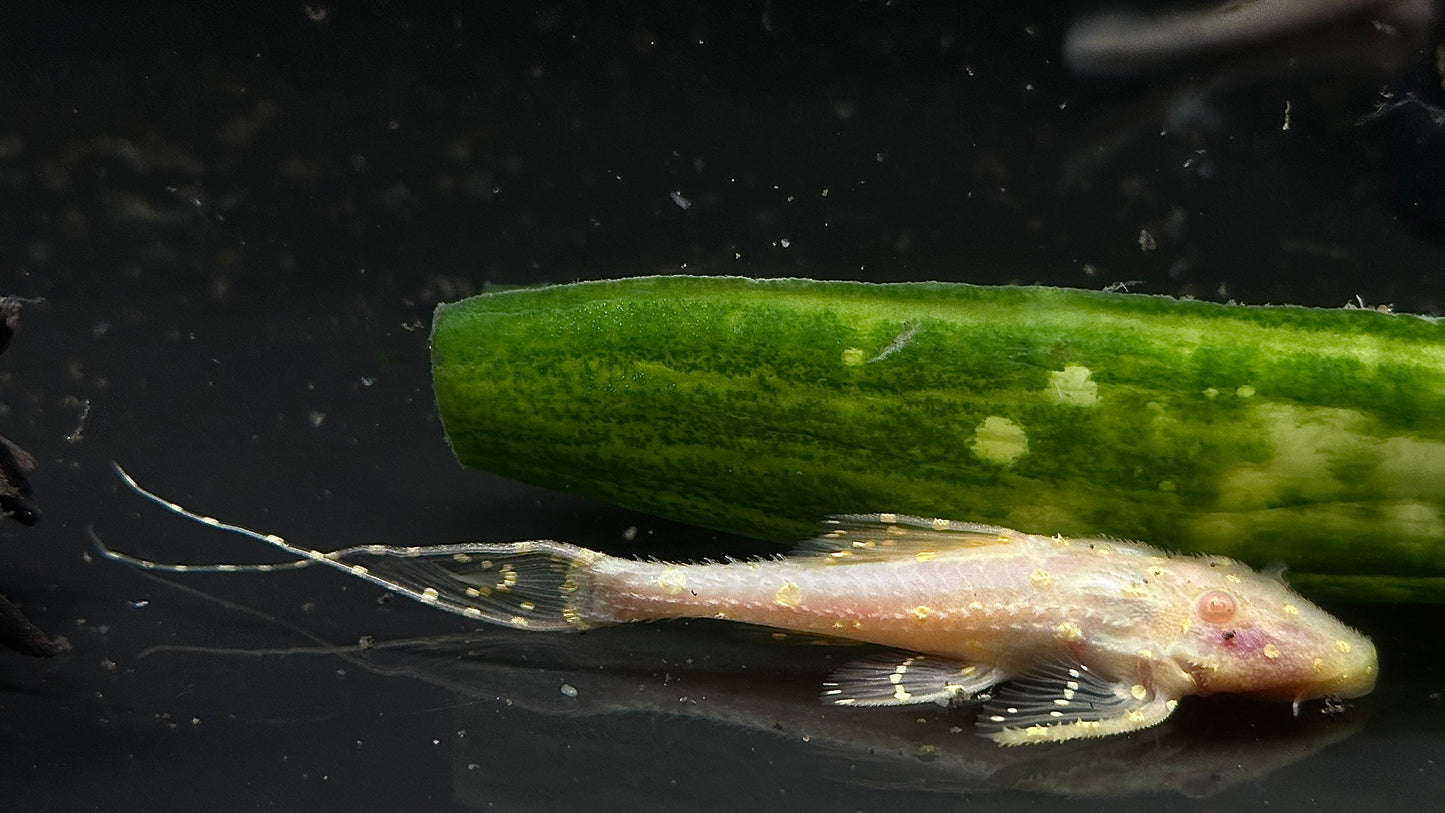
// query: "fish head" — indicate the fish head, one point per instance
point(1244, 632)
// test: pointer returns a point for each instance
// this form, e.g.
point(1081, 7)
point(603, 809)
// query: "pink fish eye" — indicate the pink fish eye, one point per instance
point(1216, 606)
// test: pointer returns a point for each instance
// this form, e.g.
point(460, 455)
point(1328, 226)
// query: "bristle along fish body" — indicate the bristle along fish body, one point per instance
point(1056, 638)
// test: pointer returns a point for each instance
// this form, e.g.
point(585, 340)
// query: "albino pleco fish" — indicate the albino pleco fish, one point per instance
point(1056, 638)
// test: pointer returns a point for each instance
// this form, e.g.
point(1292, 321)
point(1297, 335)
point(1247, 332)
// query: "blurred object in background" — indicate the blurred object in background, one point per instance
point(1112, 43)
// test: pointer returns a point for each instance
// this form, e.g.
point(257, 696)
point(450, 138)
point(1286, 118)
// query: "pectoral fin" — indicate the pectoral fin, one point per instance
point(908, 679)
point(1067, 702)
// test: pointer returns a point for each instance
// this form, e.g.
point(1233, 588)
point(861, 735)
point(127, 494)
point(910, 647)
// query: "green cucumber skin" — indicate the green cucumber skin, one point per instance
point(1309, 436)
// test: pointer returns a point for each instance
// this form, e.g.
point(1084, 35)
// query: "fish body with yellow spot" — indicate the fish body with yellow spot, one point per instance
point(1057, 638)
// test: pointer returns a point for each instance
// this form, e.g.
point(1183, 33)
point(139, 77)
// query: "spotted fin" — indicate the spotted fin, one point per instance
point(528, 585)
point(532, 585)
point(1067, 702)
point(863, 537)
point(906, 680)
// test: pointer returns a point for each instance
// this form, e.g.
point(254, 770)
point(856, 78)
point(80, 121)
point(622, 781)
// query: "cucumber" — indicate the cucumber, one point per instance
point(1305, 436)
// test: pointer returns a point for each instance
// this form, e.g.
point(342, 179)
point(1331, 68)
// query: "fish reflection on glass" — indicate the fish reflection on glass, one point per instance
point(1057, 638)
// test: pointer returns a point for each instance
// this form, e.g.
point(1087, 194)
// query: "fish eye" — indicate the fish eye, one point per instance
point(1216, 607)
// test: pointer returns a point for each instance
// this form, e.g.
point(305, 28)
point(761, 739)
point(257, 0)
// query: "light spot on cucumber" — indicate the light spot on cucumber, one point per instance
point(1073, 386)
point(853, 357)
point(1415, 519)
point(999, 440)
point(1304, 442)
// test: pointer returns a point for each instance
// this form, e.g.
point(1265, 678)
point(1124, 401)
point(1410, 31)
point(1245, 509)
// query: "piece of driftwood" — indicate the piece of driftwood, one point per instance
point(16, 631)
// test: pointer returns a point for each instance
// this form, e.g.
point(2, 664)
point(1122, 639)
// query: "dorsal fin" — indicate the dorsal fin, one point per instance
point(861, 537)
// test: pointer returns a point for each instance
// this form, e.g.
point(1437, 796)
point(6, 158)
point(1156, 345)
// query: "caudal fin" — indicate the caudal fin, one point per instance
point(533, 585)
point(528, 585)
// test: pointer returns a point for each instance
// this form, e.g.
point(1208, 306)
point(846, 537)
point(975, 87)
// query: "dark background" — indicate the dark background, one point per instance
point(239, 220)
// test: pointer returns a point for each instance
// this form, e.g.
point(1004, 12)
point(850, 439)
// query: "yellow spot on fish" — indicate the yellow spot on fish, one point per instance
point(359, 570)
point(1232, 579)
point(921, 612)
point(461, 557)
point(1072, 386)
point(527, 606)
point(1290, 609)
point(1211, 393)
point(975, 605)
point(1343, 646)
point(430, 595)
point(471, 612)
point(1135, 716)
point(518, 621)
point(780, 636)
point(1138, 692)
point(479, 592)
point(1245, 391)
point(1068, 631)
point(853, 357)
point(1318, 664)
point(1271, 651)
point(1184, 627)
point(1041, 579)
point(672, 581)
point(999, 440)
point(1146, 654)
point(900, 694)
point(925, 556)
point(789, 595)
point(888, 518)
point(940, 525)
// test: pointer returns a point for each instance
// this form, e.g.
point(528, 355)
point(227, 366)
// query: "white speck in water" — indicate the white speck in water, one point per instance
point(140, 605)
point(1146, 241)
point(315, 419)
point(630, 533)
point(785, 242)
point(569, 690)
point(368, 380)
point(682, 202)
